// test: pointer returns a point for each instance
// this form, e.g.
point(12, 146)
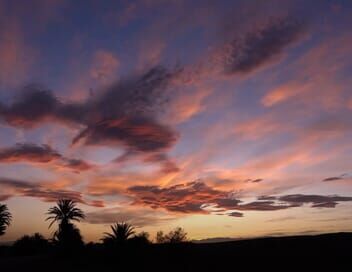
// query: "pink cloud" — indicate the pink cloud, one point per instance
point(43, 191)
point(315, 77)
point(15, 54)
point(42, 155)
point(104, 66)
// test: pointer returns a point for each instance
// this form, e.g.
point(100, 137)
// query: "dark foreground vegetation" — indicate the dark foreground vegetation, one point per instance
point(180, 256)
point(123, 249)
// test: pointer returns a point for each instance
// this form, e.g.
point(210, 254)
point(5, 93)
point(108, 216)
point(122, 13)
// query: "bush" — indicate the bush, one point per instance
point(140, 239)
point(177, 235)
point(31, 245)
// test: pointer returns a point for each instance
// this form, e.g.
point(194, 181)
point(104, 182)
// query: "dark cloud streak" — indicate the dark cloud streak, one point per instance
point(197, 197)
point(42, 192)
point(124, 114)
point(316, 200)
point(336, 178)
point(42, 154)
point(253, 49)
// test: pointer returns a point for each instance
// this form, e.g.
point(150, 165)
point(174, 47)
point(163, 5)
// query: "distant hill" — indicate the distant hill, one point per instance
point(214, 240)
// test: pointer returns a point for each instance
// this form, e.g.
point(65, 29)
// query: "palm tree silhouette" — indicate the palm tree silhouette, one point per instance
point(65, 211)
point(5, 218)
point(121, 232)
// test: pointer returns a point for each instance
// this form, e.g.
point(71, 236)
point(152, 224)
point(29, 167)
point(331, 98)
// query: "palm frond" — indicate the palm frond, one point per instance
point(5, 218)
point(65, 211)
point(120, 232)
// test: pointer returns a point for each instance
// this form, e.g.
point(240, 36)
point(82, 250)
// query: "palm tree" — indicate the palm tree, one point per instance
point(121, 232)
point(64, 212)
point(68, 235)
point(5, 218)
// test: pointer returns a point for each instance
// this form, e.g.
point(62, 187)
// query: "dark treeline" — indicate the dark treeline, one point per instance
point(67, 237)
point(122, 247)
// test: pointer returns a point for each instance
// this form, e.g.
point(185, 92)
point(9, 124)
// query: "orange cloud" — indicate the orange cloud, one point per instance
point(282, 93)
point(259, 127)
point(315, 77)
point(187, 103)
point(350, 104)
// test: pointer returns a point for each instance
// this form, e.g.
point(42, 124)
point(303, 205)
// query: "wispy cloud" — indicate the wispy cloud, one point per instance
point(42, 191)
point(139, 217)
point(122, 115)
point(197, 197)
point(336, 178)
point(262, 45)
point(41, 154)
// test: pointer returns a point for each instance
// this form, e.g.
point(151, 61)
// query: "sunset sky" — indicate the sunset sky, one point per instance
point(227, 118)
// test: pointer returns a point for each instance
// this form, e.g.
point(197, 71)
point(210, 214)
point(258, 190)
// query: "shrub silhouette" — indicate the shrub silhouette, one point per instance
point(178, 235)
point(140, 239)
point(31, 245)
point(160, 237)
point(67, 235)
point(5, 218)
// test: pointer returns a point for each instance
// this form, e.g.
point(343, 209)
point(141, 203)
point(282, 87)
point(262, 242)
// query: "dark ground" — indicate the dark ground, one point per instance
point(264, 253)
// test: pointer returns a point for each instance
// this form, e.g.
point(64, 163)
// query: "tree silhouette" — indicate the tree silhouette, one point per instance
point(5, 218)
point(120, 233)
point(65, 211)
point(160, 237)
point(31, 244)
point(68, 237)
point(178, 235)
